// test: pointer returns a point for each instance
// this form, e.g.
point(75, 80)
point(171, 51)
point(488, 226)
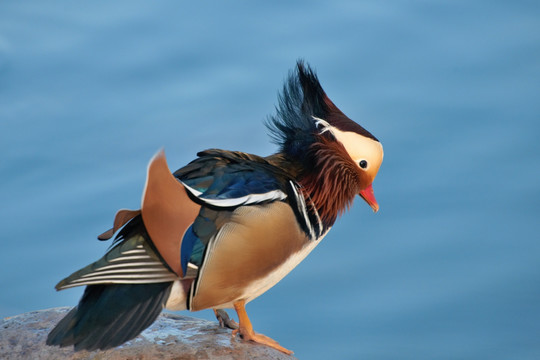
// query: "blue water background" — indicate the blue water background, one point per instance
point(450, 266)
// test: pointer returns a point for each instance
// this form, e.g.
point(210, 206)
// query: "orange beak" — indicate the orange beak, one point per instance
point(368, 195)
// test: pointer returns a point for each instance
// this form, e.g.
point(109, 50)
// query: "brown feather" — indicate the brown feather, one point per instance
point(120, 219)
point(167, 211)
point(334, 180)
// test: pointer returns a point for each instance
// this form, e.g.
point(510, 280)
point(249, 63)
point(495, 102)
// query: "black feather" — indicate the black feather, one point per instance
point(293, 127)
point(109, 315)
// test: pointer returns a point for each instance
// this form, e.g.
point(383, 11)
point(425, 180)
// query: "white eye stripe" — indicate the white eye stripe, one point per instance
point(357, 146)
point(323, 124)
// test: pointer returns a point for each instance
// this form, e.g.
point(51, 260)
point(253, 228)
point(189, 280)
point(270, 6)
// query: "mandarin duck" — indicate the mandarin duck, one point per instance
point(228, 226)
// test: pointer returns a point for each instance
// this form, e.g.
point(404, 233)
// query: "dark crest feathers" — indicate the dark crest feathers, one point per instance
point(302, 98)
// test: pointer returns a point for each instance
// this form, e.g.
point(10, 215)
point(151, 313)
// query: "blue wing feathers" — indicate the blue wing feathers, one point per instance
point(192, 250)
point(188, 243)
point(226, 175)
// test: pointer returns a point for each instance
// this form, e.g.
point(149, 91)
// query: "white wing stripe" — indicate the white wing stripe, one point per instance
point(121, 271)
point(129, 264)
point(244, 200)
point(127, 258)
point(167, 276)
point(134, 251)
point(130, 281)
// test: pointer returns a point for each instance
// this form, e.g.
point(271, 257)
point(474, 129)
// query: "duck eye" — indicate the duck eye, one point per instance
point(363, 164)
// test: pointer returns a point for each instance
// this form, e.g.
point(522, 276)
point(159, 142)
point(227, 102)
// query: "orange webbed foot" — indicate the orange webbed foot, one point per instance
point(245, 329)
point(260, 339)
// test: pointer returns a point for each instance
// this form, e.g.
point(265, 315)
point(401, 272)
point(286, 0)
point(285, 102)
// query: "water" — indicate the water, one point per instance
point(448, 269)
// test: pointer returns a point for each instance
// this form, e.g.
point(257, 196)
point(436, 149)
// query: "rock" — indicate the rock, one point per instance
point(169, 337)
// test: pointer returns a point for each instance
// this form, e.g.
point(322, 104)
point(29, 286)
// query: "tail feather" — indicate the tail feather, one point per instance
point(109, 315)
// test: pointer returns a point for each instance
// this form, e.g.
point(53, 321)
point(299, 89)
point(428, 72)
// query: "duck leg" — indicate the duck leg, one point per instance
point(245, 329)
point(225, 320)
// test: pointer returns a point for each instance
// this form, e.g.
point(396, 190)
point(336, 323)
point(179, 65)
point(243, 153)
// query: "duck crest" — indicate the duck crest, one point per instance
point(326, 173)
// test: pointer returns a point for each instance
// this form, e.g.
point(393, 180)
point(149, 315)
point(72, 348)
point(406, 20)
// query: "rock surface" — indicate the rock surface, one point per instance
point(169, 337)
